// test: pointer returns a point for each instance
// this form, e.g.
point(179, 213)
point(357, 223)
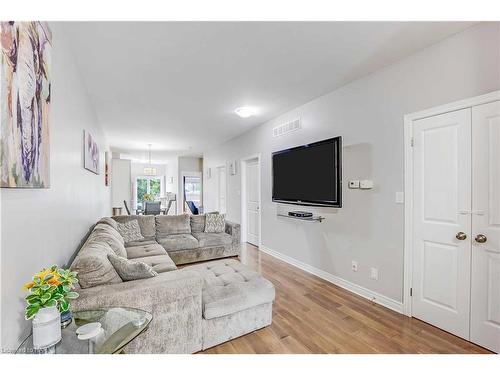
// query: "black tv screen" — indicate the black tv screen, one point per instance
point(309, 175)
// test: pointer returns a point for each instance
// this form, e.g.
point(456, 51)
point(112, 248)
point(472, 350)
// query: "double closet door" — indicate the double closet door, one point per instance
point(456, 223)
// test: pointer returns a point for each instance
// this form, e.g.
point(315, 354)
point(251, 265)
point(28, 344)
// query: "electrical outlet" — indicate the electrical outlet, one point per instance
point(374, 273)
point(354, 266)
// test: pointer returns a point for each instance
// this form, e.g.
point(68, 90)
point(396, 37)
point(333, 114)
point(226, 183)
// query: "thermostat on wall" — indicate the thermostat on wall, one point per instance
point(354, 184)
point(366, 184)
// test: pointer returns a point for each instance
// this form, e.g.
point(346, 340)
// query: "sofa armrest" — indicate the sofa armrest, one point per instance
point(234, 230)
point(143, 294)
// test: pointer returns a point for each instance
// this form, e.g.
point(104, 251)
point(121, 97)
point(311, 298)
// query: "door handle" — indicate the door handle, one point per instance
point(481, 238)
point(461, 236)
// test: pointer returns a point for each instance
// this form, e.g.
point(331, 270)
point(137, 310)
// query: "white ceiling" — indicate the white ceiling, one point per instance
point(176, 84)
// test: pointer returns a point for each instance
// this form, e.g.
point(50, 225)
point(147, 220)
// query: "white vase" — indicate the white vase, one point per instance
point(46, 328)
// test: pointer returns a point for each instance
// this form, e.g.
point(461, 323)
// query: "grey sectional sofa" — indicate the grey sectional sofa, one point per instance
point(194, 308)
point(182, 237)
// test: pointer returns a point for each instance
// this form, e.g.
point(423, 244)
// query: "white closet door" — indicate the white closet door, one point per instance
point(442, 223)
point(485, 296)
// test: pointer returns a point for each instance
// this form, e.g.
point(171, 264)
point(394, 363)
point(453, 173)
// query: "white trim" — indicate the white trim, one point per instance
point(408, 178)
point(243, 203)
point(344, 284)
point(455, 106)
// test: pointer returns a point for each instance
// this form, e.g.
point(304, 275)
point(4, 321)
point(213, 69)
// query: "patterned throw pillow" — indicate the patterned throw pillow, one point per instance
point(131, 270)
point(130, 231)
point(215, 223)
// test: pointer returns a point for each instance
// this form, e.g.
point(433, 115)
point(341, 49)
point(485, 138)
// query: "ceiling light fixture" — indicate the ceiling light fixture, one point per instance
point(150, 171)
point(245, 112)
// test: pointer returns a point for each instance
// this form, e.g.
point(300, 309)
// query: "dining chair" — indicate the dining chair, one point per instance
point(152, 208)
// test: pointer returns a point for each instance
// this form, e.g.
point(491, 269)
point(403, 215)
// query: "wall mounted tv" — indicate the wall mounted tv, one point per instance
point(309, 175)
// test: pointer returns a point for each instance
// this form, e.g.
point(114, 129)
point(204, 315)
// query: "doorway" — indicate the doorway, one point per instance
point(251, 200)
point(191, 192)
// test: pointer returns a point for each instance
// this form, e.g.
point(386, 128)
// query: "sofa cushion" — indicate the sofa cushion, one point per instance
point(178, 242)
point(215, 223)
point(213, 239)
point(159, 263)
point(229, 287)
point(109, 231)
point(197, 223)
point(130, 231)
point(146, 223)
point(115, 244)
point(172, 224)
point(93, 265)
point(130, 269)
point(146, 250)
point(140, 243)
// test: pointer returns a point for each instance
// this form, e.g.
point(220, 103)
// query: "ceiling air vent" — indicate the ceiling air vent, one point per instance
point(286, 128)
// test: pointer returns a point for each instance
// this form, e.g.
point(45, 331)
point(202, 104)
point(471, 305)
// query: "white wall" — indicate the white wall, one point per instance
point(41, 227)
point(121, 183)
point(368, 114)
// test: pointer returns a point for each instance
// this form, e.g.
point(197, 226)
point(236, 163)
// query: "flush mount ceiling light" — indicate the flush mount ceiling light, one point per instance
point(150, 171)
point(245, 112)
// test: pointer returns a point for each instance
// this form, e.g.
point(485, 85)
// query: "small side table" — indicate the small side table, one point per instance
point(120, 326)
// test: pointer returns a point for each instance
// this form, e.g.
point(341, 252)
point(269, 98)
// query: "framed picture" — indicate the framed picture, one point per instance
point(24, 104)
point(91, 153)
point(107, 174)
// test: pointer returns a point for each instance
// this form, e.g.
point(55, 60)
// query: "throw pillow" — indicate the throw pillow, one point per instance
point(131, 270)
point(130, 231)
point(215, 223)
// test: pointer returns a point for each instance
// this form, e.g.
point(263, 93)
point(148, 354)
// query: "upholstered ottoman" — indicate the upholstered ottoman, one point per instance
point(235, 300)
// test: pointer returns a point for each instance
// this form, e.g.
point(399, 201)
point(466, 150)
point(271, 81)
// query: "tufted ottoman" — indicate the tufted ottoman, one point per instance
point(235, 300)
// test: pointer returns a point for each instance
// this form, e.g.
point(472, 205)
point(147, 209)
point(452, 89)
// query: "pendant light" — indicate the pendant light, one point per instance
point(150, 171)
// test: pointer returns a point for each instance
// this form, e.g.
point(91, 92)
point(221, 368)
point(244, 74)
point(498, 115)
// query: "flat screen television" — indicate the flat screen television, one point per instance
point(309, 175)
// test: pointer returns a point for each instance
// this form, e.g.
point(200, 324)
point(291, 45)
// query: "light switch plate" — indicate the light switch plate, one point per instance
point(354, 184)
point(400, 197)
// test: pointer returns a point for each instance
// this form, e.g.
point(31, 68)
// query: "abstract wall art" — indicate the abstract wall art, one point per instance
point(90, 153)
point(25, 96)
point(107, 171)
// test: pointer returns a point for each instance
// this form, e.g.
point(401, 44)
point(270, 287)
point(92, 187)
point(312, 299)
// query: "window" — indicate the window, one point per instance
point(147, 185)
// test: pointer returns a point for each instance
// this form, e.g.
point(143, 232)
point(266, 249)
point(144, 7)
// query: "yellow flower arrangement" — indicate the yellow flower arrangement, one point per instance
point(50, 287)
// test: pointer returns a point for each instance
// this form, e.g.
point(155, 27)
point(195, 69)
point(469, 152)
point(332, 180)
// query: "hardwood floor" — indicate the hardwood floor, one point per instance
point(310, 315)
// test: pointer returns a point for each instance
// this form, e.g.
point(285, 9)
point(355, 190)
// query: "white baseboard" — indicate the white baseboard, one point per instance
point(351, 287)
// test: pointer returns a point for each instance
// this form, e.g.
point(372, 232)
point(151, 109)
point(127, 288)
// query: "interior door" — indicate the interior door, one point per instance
point(485, 296)
point(442, 221)
point(253, 201)
point(221, 188)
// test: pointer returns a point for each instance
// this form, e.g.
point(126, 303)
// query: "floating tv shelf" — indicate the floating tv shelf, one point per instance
point(312, 218)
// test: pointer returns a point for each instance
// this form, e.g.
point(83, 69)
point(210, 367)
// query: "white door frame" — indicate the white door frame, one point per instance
point(181, 188)
point(218, 186)
point(243, 169)
point(408, 180)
